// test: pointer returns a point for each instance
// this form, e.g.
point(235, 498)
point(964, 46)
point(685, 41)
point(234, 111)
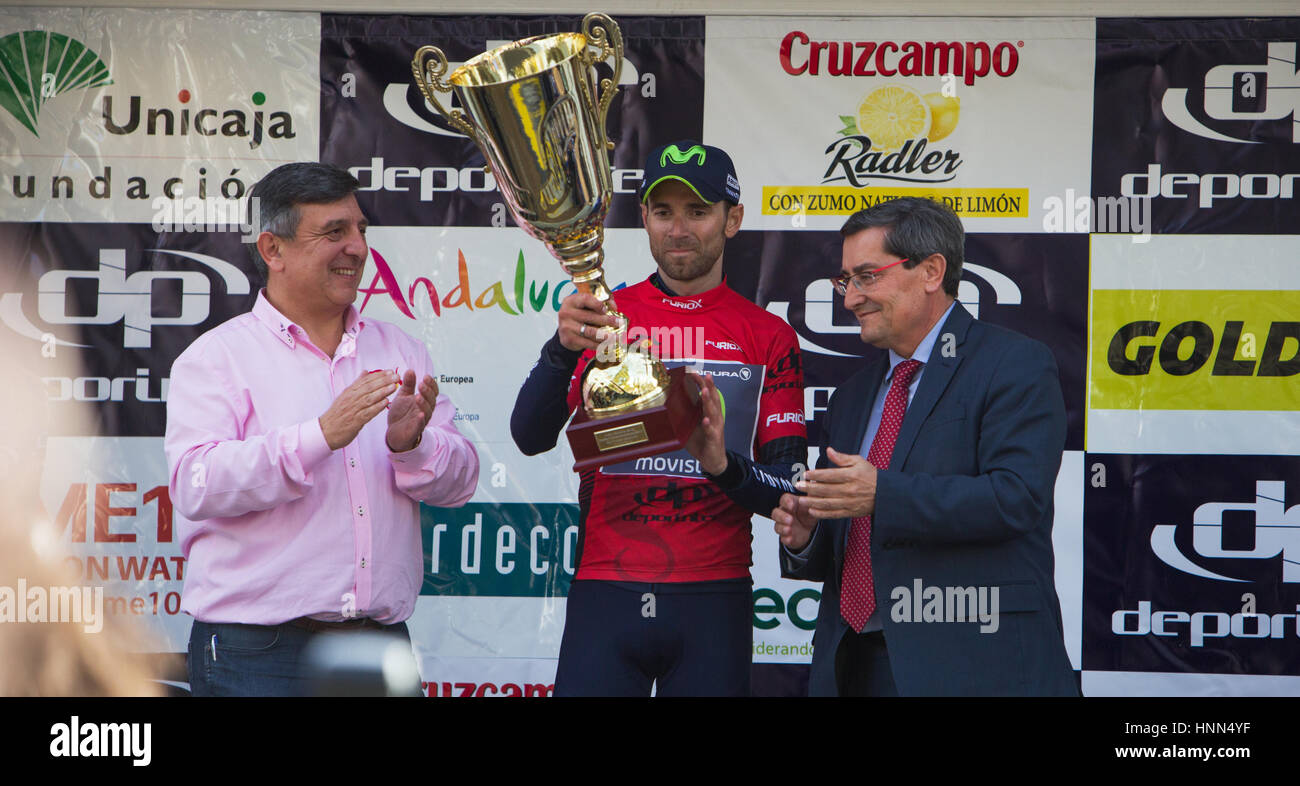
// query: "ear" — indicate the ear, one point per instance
point(269, 246)
point(645, 214)
point(932, 271)
point(735, 215)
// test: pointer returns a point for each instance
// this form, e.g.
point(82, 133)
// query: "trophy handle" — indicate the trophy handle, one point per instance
point(429, 79)
point(604, 34)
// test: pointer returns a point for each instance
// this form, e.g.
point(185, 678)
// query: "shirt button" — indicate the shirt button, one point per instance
point(360, 511)
point(352, 462)
point(363, 562)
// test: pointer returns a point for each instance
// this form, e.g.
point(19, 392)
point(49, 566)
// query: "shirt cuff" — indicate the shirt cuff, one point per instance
point(417, 455)
point(731, 477)
point(556, 355)
point(803, 554)
point(312, 447)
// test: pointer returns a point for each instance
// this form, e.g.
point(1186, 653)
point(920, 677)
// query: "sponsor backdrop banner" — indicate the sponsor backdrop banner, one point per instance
point(123, 301)
point(1193, 564)
point(416, 169)
point(1209, 119)
point(1189, 354)
point(106, 112)
point(1143, 230)
point(841, 113)
point(110, 503)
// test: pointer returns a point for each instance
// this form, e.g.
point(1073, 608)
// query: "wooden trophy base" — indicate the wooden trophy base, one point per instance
point(645, 432)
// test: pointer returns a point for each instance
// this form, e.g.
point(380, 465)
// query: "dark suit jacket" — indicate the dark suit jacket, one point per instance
point(966, 502)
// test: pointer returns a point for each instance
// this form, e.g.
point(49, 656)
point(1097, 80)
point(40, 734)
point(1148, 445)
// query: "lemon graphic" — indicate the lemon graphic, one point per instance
point(892, 115)
point(943, 115)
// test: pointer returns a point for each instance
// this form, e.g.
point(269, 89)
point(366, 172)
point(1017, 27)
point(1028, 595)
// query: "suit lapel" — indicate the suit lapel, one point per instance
point(934, 380)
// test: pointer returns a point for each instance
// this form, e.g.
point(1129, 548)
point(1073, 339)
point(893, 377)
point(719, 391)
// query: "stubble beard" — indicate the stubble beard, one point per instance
point(695, 267)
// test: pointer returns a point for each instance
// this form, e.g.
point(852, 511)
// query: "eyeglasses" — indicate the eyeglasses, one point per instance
point(860, 280)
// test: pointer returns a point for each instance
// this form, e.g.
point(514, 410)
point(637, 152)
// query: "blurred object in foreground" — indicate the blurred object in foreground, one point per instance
point(361, 664)
point(55, 638)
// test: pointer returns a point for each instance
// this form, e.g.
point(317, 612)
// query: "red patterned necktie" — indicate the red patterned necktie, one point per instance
point(857, 588)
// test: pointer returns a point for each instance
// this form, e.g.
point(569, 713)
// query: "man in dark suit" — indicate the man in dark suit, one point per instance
point(929, 517)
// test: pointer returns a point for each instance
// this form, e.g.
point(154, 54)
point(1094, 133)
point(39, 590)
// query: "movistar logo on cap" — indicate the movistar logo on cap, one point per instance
point(679, 157)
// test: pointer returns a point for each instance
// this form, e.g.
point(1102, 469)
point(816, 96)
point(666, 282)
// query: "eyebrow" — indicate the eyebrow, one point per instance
point(340, 222)
point(701, 205)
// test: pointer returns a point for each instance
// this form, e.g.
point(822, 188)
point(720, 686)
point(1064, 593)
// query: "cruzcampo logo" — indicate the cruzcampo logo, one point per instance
point(673, 153)
point(36, 66)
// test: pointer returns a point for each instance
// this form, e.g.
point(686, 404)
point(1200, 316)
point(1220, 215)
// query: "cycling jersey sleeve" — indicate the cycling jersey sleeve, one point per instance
point(541, 409)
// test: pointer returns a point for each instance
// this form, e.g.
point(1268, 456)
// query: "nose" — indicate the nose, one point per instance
point(677, 226)
point(853, 297)
point(356, 244)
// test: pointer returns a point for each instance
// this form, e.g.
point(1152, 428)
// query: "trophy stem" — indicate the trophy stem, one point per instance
point(612, 352)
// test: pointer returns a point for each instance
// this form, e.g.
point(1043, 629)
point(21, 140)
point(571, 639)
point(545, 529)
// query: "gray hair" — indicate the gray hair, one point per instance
point(915, 228)
point(273, 202)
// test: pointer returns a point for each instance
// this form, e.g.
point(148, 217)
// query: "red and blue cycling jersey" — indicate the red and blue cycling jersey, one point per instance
point(661, 519)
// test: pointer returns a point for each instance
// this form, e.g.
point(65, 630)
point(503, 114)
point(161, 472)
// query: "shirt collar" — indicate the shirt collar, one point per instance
point(705, 299)
point(289, 331)
point(923, 350)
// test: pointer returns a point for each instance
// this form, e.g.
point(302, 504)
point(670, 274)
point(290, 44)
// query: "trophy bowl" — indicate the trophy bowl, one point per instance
point(534, 110)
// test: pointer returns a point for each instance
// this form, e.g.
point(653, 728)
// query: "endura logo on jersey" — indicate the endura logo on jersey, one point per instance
point(1276, 532)
point(820, 300)
point(742, 373)
point(122, 298)
point(784, 417)
point(1250, 92)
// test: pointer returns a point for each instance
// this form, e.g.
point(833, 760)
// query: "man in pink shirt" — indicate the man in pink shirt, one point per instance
point(298, 506)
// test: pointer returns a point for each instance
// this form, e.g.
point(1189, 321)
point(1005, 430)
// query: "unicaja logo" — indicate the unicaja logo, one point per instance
point(36, 66)
point(186, 118)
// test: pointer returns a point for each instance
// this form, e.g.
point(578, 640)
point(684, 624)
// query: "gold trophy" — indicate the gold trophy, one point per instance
point(533, 110)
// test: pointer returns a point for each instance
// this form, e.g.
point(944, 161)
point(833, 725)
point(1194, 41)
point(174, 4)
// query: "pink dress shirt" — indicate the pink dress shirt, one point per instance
point(274, 524)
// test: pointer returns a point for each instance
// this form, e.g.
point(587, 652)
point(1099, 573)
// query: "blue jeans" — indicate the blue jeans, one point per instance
point(230, 659)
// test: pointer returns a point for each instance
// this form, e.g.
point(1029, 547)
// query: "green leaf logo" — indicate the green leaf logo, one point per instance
point(36, 66)
point(850, 125)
